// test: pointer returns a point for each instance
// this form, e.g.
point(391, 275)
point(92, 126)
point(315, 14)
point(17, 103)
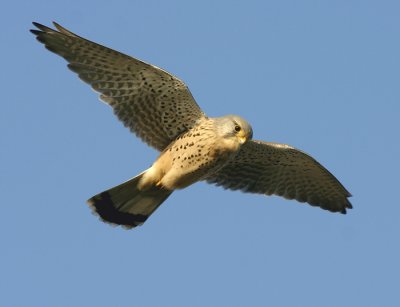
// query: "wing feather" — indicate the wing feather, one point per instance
point(271, 168)
point(152, 103)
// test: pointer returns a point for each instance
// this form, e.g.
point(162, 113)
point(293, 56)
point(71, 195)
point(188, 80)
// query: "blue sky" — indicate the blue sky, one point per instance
point(322, 76)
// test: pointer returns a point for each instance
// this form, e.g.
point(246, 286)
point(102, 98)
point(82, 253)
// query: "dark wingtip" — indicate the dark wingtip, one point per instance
point(40, 31)
point(348, 205)
point(35, 32)
point(104, 207)
point(42, 27)
point(36, 24)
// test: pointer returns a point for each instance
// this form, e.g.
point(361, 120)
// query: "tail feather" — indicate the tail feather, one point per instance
point(126, 205)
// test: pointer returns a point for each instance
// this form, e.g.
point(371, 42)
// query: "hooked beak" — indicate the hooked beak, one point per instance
point(242, 139)
point(243, 136)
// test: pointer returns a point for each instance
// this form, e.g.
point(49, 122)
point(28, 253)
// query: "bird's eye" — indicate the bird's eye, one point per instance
point(237, 128)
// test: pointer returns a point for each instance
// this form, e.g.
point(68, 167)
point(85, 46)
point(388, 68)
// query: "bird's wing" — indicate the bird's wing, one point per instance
point(154, 104)
point(271, 168)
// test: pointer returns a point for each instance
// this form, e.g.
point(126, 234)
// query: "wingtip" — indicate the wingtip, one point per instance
point(36, 24)
point(41, 27)
point(347, 205)
point(63, 30)
point(47, 29)
point(35, 32)
point(56, 24)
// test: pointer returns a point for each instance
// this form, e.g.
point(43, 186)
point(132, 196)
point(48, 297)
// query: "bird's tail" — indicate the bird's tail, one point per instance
point(126, 205)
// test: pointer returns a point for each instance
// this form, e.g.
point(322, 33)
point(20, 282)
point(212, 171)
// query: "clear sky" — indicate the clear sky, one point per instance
point(322, 76)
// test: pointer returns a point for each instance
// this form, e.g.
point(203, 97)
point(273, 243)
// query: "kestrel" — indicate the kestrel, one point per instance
point(159, 109)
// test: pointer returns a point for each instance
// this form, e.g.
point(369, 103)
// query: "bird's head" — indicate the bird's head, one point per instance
point(233, 126)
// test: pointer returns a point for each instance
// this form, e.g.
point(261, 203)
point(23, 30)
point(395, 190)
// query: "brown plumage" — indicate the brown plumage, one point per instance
point(159, 108)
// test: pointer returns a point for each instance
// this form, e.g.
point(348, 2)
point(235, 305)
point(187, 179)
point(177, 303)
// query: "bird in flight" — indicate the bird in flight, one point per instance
point(159, 109)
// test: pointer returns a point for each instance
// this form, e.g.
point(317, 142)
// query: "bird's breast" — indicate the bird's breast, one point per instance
point(192, 157)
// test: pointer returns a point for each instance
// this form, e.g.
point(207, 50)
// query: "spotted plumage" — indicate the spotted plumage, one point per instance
point(159, 108)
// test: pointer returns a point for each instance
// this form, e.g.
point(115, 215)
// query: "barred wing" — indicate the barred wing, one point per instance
point(270, 168)
point(154, 104)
